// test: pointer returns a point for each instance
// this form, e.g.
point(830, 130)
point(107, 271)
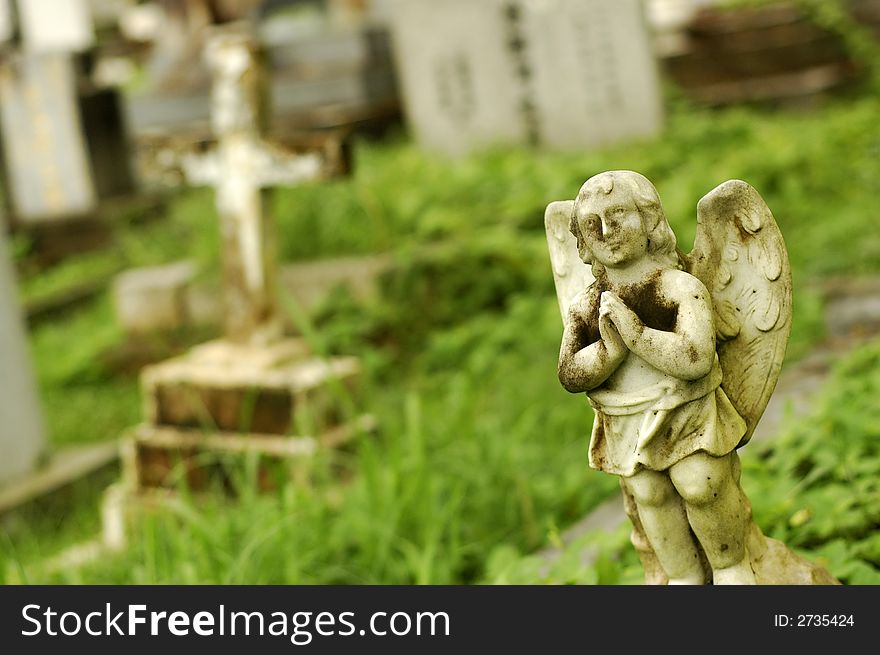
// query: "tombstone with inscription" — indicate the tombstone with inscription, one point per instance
point(254, 391)
point(63, 138)
point(565, 74)
point(22, 439)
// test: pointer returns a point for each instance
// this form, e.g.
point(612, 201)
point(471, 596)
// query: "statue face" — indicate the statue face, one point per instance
point(612, 227)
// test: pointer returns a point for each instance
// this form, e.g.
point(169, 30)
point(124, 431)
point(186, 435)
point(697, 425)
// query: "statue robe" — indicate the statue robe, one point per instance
point(656, 426)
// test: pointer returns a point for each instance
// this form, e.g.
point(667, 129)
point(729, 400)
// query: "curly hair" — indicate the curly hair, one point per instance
point(661, 238)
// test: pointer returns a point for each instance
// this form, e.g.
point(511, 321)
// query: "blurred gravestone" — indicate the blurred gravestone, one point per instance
point(6, 25)
point(45, 152)
point(153, 297)
point(63, 138)
point(53, 26)
point(566, 74)
point(22, 440)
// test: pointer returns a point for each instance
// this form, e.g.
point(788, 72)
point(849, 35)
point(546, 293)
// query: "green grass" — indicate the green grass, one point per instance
point(816, 488)
point(481, 456)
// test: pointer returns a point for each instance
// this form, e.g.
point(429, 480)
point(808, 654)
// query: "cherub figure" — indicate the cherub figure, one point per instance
point(678, 356)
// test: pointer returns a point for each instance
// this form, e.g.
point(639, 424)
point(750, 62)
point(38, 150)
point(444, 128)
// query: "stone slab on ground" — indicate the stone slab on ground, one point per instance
point(67, 465)
point(310, 283)
point(153, 297)
point(163, 298)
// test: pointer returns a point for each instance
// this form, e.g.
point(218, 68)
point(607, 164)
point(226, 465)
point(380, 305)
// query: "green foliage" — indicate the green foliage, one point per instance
point(592, 558)
point(481, 456)
point(818, 486)
point(34, 534)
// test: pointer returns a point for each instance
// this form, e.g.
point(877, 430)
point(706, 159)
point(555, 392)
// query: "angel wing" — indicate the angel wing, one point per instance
point(570, 274)
point(740, 256)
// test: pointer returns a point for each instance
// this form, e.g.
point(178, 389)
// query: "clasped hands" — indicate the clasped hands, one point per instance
point(619, 326)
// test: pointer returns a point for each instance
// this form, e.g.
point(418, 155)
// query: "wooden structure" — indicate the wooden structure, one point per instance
point(772, 54)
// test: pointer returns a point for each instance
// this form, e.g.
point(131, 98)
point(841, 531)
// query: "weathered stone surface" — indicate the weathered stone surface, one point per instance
point(162, 457)
point(310, 283)
point(235, 388)
point(158, 457)
point(254, 393)
point(22, 438)
point(241, 169)
point(52, 26)
point(779, 565)
point(167, 297)
point(153, 298)
point(45, 151)
point(567, 74)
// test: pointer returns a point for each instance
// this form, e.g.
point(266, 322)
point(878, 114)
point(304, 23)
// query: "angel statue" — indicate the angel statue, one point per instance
point(678, 355)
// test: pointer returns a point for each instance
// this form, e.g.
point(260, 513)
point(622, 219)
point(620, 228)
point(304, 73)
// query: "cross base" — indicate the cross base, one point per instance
point(274, 389)
point(226, 415)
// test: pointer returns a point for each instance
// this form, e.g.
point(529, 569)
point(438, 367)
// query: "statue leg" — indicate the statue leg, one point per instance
point(666, 525)
point(654, 573)
point(718, 512)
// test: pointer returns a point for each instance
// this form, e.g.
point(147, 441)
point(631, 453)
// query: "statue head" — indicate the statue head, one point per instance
point(617, 218)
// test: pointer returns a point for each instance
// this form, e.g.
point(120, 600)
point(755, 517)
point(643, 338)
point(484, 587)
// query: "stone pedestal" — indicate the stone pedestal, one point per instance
point(254, 394)
point(226, 415)
point(243, 388)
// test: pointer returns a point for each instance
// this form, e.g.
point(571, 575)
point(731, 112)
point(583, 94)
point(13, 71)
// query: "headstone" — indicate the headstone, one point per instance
point(45, 152)
point(154, 297)
point(22, 439)
point(566, 74)
point(56, 25)
point(63, 138)
point(6, 24)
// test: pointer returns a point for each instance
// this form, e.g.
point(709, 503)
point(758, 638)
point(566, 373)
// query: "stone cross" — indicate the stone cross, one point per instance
point(22, 438)
point(241, 169)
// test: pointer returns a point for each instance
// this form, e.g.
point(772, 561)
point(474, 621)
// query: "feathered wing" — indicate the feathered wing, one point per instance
point(570, 274)
point(740, 256)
